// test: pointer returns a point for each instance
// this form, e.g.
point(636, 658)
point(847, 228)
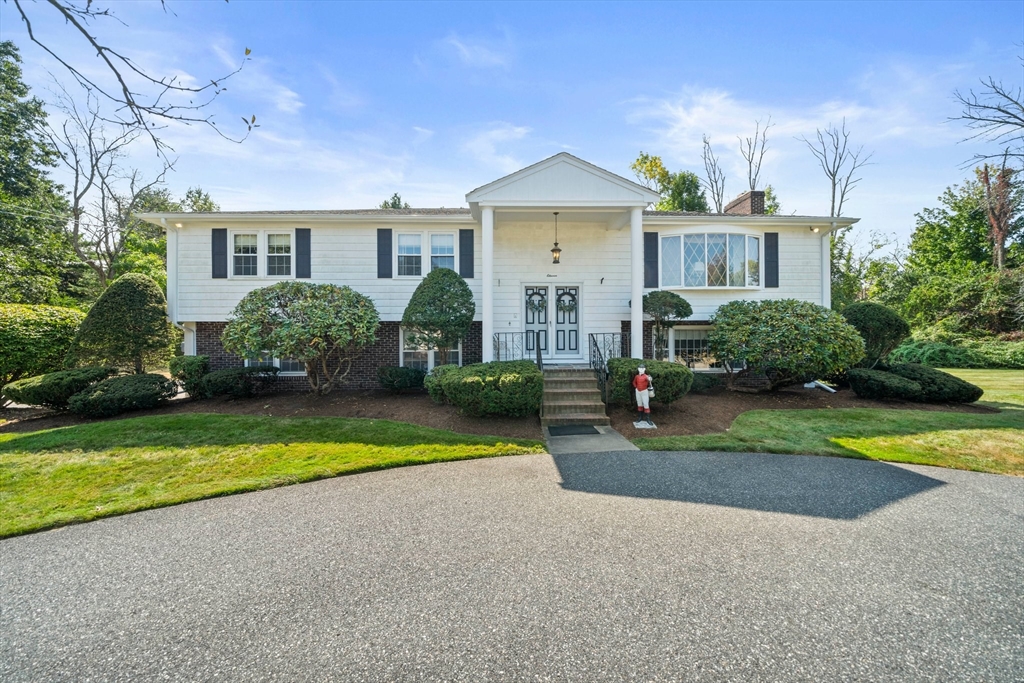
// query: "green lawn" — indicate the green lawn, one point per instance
point(75, 474)
point(970, 441)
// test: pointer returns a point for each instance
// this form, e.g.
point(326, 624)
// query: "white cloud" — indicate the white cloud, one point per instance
point(484, 146)
point(478, 55)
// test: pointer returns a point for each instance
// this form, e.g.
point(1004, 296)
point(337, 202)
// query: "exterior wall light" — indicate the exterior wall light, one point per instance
point(177, 225)
point(815, 229)
point(556, 253)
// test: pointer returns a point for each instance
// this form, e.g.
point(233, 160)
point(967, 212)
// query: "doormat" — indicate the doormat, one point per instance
point(572, 430)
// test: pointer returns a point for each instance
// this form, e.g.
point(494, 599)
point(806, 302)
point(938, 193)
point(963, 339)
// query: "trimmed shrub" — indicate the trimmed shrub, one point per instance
point(55, 389)
point(881, 328)
point(34, 339)
point(665, 307)
point(237, 382)
point(878, 384)
point(433, 382)
point(324, 326)
point(704, 382)
point(938, 386)
point(671, 380)
point(188, 370)
point(127, 327)
point(511, 388)
point(440, 311)
point(123, 394)
point(395, 379)
point(998, 354)
point(788, 341)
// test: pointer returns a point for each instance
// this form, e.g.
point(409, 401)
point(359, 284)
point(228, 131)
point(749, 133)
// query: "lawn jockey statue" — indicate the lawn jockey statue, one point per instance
point(642, 385)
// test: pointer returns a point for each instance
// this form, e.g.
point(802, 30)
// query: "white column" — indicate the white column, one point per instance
point(636, 291)
point(487, 221)
point(826, 270)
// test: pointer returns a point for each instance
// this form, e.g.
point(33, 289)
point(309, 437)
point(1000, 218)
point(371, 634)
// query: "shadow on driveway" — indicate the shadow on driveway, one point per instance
point(834, 488)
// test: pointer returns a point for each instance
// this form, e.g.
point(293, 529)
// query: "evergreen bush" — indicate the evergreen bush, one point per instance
point(236, 382)
point(704, 382)
point(937, 354)
point(788, 341)
point(510, 388)
point(55, 389)
point(395, 379)
point(878, 384)
point(123, 394)
point(881, 328)
point(127, 327)
point(440, 312)
point(189, 370)
point(433, 382)
point(937, 386)
point(34, 340)
point(671, 380)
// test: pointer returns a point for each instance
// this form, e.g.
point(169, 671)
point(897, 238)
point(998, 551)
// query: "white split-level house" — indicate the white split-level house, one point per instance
point(613, 250)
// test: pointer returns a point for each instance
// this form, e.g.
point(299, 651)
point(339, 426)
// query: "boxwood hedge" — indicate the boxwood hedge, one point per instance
point(189, 370)
point(237, 382)
point(671, 380)
point(395, 379)
point(511, 388)
point(878, 384)
point(433, 382)
point(34, 339)
point(938, 386)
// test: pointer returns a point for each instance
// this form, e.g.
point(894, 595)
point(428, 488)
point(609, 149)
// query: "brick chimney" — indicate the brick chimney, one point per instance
point(747, 204)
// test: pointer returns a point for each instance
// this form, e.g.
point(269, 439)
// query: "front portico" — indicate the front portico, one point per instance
point(599, 280)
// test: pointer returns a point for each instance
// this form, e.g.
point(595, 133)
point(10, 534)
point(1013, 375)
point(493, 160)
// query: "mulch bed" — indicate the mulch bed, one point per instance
point(692, 414)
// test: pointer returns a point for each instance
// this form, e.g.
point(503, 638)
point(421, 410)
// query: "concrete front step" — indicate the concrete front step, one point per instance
point(574, 419)
point(574, 407)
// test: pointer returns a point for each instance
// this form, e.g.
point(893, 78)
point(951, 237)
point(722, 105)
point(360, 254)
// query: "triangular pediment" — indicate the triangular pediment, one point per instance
point(562, 180)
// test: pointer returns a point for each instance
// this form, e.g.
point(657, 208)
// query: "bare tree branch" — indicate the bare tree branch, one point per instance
point(144, 107)
point(753, 150)
point(839, 161)
point(104, 195)
point(715, 176)
point(995, 114)
point(1002, 205)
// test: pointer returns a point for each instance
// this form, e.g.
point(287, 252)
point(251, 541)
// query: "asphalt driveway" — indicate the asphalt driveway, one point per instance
point(639, 566)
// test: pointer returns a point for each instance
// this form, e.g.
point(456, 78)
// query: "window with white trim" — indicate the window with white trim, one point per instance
point(418, 356)
point(690, 347)
point(279, 254)
point(245, 255)
point(410, 258)
point(442, 250)
point(699, 260)
point(286, 366)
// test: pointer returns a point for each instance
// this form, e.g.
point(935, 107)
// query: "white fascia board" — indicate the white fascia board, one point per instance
point(824, 223)
point(215, 219)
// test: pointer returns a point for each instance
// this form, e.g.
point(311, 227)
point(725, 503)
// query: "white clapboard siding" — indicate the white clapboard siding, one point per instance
point(593, 257)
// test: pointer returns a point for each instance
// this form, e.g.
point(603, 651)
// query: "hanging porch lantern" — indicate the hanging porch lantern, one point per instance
point(556, 253)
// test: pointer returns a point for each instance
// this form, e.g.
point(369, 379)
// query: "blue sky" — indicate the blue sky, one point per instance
point(356, 101)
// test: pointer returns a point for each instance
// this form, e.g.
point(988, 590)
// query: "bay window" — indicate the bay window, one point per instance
point(710, 260)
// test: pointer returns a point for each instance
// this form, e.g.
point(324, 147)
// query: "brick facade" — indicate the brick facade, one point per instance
point(363, 375)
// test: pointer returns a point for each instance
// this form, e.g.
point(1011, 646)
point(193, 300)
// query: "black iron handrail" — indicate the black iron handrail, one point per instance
point(515, 346)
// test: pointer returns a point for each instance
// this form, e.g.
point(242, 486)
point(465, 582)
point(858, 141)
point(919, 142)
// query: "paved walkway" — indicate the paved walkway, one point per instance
point(607, 440)
point(615, 566)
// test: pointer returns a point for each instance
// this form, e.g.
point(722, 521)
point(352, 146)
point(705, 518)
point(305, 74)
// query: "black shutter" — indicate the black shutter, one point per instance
point(302, 256)
point(384, 252)
point(651, 260)
point(466, 253)
point(771, 259)
point(220, 252)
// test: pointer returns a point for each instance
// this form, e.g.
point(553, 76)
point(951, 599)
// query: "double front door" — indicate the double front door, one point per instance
point(552, 318)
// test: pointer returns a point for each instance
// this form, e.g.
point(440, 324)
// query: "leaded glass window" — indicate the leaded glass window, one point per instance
point(693, 261)
point(737, 256)
point(671, 268)
point(717, 261)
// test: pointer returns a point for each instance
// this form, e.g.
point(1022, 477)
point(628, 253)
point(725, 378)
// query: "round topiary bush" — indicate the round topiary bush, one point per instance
point(938, 386)
point(127, 327)
point(876, 384)
point(34, 340)
point(440, 311)
point(396, 379)
point(881, 328)
point(510, 388)
point(123, 394)
point(671, 380)
point(786, 340)
point(55, 389)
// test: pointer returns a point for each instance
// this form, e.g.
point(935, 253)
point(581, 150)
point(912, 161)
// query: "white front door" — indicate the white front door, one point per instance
point(551, 318)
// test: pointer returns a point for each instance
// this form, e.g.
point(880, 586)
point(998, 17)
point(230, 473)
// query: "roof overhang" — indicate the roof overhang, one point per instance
point(824, 224)
point(176, 220)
